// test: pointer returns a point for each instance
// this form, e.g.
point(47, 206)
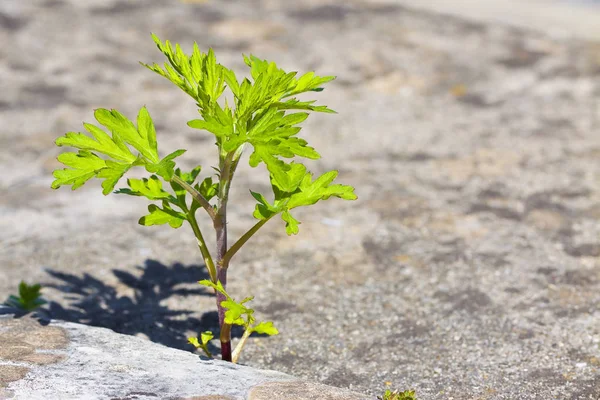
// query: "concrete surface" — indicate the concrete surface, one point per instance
point(469, 266)
point(560, 18)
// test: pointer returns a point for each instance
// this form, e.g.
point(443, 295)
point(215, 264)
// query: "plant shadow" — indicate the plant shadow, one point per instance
point(143, 309)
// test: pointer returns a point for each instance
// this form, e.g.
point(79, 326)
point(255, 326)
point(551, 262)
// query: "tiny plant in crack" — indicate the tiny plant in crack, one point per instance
point(263, 115)
point(29, 298)
point(397, 395)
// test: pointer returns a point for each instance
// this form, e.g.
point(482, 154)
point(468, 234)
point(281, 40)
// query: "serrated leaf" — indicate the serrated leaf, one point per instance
point(147, 131)
point(198, 74)
point(84, 166)
point(143, 140)
point(294, 104)
point(194, 341)
point(266, 328)
point(235, 310)
point(306, 193)
point(263, 210)
point(206, 337)
point(190, 177)
point(289, 180)
point(102, 144)
point(217, 286)
point(291, 224)
point(149, 188)
point(208, 189)
point(161, 216)
point(220, 124)
point(166, 167)
point(111, 175)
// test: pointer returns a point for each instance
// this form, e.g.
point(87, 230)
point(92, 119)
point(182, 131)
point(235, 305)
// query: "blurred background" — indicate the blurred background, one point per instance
point(468, 268)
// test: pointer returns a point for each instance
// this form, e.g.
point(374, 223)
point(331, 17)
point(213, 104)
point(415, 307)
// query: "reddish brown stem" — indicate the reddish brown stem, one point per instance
point(221, 229)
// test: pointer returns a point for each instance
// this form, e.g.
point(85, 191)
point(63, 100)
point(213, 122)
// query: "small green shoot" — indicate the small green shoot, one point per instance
point(29, 298)
point(396, 395)
point(261, 115)
point(202, 344)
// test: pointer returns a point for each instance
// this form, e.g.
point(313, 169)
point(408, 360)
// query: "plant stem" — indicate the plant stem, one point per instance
point(242, 240)
point(227, 167)
point(240, 345)
point(208, 261)
point(196, 195)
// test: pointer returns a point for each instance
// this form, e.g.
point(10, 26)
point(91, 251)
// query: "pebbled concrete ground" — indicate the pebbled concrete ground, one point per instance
point(468, 268)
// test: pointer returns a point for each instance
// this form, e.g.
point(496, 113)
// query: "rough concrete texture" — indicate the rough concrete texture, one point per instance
point(469, 266)
point(559, 18)
point(97, 363)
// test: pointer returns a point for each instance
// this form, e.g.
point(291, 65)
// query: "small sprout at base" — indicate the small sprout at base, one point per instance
point(29, 298)
point(205, 337)
point(396, 395)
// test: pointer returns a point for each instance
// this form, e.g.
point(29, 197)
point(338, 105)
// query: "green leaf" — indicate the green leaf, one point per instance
point(84, 166)
point(198, 74)
point(216, 120)
point(87, 164)
point(311, 192)
point(264, 209)
point(396, 395)
point(307, 192)
point(207, 188)
point(190, 177)
point(235, 310)
point(111, 174)
point(166, 167)
point(206, 337)
point(149, 188)
point(29, 297)
point(289, 180)
point(291, 224)
point(194, 341)
point(266, 328)
point(143, 140)
point(103, 143)
point(294, 104)
point(217, 286)
point(160, 216)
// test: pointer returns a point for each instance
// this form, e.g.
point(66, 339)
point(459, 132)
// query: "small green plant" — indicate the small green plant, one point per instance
point(29, 298)
point(395, 395)
point(258, 114)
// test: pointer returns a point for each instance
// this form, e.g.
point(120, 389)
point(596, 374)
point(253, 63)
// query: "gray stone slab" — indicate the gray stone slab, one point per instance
point(97, 363)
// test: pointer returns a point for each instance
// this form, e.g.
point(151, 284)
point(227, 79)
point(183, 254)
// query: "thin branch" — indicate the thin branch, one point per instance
point(242, 240)
point(208, 261)
point(197, 196)
point(238, 349)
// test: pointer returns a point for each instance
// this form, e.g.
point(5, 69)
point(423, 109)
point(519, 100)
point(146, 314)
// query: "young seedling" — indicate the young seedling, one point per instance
point(396, 395)
point(260, 117)
point(29, 298)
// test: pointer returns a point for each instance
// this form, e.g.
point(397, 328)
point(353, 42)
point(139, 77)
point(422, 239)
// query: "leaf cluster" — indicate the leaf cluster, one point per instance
point(237, 313)
point(205, 338)
point(396, 395)
point(29, 297)
point(260, 117)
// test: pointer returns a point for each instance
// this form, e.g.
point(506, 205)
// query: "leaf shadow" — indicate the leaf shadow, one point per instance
point(137, 304)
